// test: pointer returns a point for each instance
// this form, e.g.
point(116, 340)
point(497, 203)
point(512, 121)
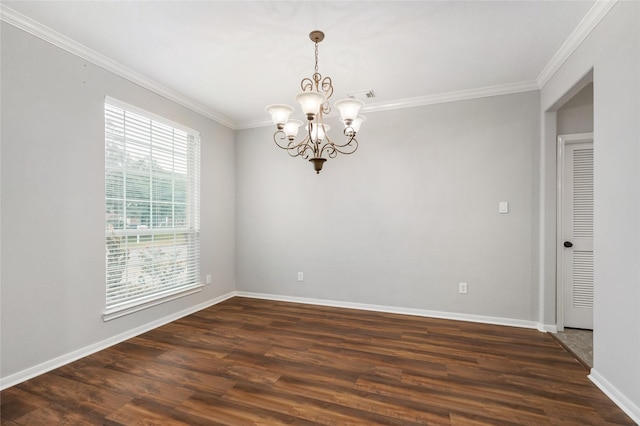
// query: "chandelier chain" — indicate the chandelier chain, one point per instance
point(316, 58)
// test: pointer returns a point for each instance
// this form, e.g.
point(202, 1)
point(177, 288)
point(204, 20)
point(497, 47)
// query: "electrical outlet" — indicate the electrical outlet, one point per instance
point(208, 278)
point(462, 288)
point(300, 276)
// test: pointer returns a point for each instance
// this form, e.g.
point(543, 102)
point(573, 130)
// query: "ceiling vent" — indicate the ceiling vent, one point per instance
point(362, 95)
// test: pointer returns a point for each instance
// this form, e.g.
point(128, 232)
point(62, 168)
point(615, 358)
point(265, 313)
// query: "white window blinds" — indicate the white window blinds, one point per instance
point(152, 209)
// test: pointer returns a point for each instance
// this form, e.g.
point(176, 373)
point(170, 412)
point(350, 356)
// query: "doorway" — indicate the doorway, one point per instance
point(575, 231)
point(569, 121)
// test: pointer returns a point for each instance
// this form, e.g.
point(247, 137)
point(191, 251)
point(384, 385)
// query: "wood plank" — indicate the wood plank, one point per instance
point(63, 398)
point(174, 376)
point(144, 412)
point(126, 384)
point(229, 412)
point(17, 403)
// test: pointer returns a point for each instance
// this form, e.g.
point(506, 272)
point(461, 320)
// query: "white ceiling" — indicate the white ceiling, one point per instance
point(232, 58)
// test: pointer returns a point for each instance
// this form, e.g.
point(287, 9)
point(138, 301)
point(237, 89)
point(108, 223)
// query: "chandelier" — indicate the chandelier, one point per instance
point(314, 101)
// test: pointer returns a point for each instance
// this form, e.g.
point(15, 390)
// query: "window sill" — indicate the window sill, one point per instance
point(157, 299)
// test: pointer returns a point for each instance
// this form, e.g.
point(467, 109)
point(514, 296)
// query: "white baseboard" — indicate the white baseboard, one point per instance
point(548, 328)
point(47, 366)
point(396, 310)
point(626, 405)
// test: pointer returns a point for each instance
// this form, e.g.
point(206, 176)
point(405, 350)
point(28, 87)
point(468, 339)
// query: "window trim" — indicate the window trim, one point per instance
point(155, 117)
point(121, 309)
point(157, 299)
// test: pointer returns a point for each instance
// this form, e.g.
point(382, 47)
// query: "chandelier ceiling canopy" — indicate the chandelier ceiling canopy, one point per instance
point(316, 145)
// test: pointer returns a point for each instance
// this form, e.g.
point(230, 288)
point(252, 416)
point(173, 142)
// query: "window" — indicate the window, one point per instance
point(152, 209)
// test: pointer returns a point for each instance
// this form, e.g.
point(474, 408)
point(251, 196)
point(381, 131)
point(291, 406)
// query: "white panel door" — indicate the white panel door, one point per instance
point(577, 234)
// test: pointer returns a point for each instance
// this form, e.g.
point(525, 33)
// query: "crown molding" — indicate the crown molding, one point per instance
point(575, 39)
point(253, 124)
point(45, 33)
point(462, 95)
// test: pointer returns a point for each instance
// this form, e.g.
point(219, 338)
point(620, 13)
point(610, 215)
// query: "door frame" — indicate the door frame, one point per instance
point(562, 141)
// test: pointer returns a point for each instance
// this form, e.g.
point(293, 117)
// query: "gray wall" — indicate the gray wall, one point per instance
point(612, 51)
point(406, 218)
point(53, 255)
point(576, 116)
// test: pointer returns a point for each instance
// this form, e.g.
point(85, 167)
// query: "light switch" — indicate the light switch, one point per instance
point(503, 207)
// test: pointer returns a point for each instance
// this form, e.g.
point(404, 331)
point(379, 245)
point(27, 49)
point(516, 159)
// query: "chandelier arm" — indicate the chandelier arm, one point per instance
point(352, 145)
point(306, 84)
point(351, 137)
point(314, 146)
point(293, 149)
point(351, 151)
point(307, 146)
point(279, 134)
point(302, 149)
point(330, 150)
point(345, 145)
point(327, 88)
point(327, 146)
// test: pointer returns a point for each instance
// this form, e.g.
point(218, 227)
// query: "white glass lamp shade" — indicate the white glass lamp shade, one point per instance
point(291, 128)
point(279, 114)
point(318, 131)
point(352, 129)
point(357, 122)
point(310, 102)
point(349, 109)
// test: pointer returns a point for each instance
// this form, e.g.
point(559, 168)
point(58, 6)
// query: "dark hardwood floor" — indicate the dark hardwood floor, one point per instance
point(248, 361)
